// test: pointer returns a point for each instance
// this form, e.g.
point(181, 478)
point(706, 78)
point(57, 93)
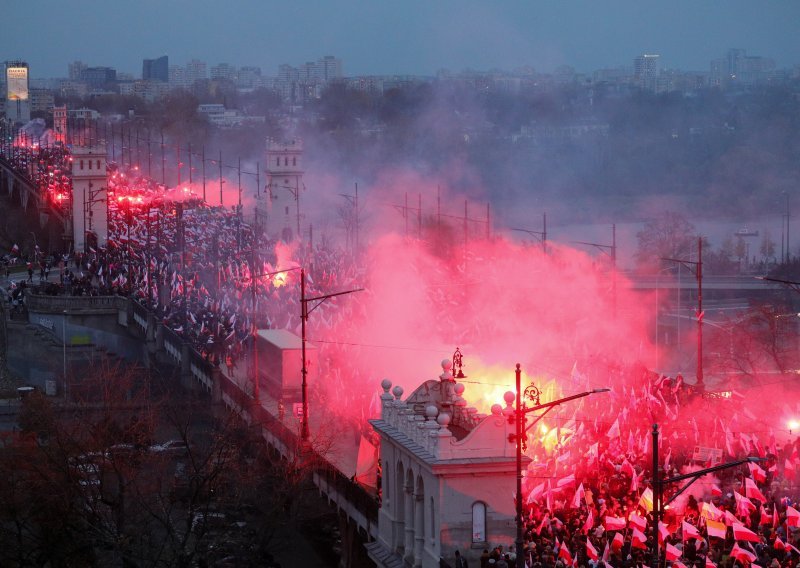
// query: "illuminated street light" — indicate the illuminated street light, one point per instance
point(518, 417)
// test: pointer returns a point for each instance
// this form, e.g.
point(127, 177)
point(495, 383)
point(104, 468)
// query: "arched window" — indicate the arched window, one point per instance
point(479, 522)
point(278, 161)
point(98, 164)
point(81, 164)
point(90, 164)
point(294, 161)
point(286, 161)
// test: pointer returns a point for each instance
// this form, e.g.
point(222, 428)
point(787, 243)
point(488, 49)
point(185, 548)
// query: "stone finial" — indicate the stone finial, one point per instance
point(459, 389)
point(397, 392)
point(444, 420)
point(431, 411)
point(509, 397)
point(447, 366)
point(386, 384)
point(497, 409)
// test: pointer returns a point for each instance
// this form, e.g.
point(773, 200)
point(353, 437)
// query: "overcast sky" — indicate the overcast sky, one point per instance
point(395, 36)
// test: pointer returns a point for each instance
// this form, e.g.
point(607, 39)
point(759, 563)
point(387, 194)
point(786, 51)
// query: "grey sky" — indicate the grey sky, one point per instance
point(395, 37)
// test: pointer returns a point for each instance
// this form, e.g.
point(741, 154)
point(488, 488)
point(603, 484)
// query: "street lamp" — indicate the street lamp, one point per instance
point(696, 267)
point(531, 393)
point(304, 312)
point(658, 487)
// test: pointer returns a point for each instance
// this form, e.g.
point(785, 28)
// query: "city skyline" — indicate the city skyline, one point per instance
point(413, 38)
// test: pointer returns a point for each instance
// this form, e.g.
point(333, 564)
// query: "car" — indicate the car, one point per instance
point(176, 446)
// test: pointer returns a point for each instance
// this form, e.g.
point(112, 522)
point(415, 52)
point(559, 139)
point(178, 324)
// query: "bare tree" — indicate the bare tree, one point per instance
point(669, 235)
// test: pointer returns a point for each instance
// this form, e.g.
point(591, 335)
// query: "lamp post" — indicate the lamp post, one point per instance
point(541, 235)
point(696, 267)
point(611, 251)
point(304, 312)
point(520, 434)
point(658, 488)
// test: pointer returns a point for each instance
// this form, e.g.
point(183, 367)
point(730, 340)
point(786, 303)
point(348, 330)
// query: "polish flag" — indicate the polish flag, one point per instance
point(758, 474)
point(710, 564)
point(613, 432)
point(742, 555)
point(579, 495)
point(672, 553)
point(638, 540)
point(792, 517)
point(788, 469)
point(778, 544)
point(614, 523)
point(663, 532)
point(616, 544)
point(741, 532)
point(730, 519)
point(689, 531)
point(715, 490)
point(566, 481)
point(564, 554)
point(587, 526)
point(591, 551)
point(752, 491)
point(637, 522)
point(765, 519)
point(716, 529)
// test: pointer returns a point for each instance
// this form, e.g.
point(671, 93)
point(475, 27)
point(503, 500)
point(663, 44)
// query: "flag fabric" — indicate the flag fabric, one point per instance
point(792, 517)
point(614, 432)
point(646, 500)
point(616, 544)
point(672, 553)
point(765, 519)
point(614, 523)
point(741, 532)
point(752, 491)
point(689, 531)
point(716, 529)
point(715, 490)
point(742, 555)
point(579, 495)
point(778, 544)
point(637, 522)
point(758, 474)
point(730, 519)
point(591, 551)
point(663, 532)
point(638, 539)
point(710, 511)
point(587, 526)
point(566, 481)
point(710, 564)
point(564, 554)
point(677, 564)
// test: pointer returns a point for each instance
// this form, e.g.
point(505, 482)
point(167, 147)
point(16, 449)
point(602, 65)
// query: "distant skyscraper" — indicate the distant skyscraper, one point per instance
point(99, 77)
point(17, 104)
point(75, 70)
point(156, 69)
point(224, 71)
point(331, 68)
point(195, 71)
point(645, 71)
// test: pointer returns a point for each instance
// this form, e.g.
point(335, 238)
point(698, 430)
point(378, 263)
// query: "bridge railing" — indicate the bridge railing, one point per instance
point(140, 315)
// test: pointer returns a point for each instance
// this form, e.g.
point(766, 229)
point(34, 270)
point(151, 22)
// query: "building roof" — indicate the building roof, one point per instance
point(282, 339)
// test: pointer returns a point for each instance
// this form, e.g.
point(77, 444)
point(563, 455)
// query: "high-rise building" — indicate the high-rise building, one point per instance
point(156, 69)
point(17, 100)
point(331, 68)
point(223, 71)
point(196, 71)
point(75, 70)
point(645, 71)
point(99, 77)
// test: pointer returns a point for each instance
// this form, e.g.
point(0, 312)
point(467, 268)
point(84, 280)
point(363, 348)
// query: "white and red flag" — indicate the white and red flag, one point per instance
point(757, 472)
point(742, 555)
point(741, 532)
point(638, 540)
point(637, 522)
point(792, 517)
point(578, 497)
point(716, 529)
point(689, 531)
point(672, 553)
point(752, 491)
point(614, 523)
point(591, 551)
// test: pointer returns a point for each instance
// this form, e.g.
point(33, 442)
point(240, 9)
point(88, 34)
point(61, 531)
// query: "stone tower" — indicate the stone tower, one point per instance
point(280, 218)
point(89, 196)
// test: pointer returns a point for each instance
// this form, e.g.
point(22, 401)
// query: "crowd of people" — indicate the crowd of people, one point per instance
point(214, 279)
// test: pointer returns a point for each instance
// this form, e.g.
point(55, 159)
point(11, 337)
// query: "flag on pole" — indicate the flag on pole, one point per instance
point(614, 523)
point(792, 517)
point(614, 432)
point(616, 544)
point(715, 490)
point(758, 474)
point(638, 540)
point(637, 522)
point(646, 500)
point(579, 495)
point(672, 553)
point(591, 551)
point(742, 555)
point(587, 526)
point(689, 531)
point(716, 529)
point(741, 532)
point(752, 491)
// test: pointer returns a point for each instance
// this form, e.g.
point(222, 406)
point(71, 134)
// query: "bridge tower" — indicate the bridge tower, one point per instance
point(89, 196)
point(60, 123)
point(279, 213)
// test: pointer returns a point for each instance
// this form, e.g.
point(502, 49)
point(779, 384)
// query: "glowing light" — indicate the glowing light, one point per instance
point(543, 429)
point(793, 424)
point(279, 279)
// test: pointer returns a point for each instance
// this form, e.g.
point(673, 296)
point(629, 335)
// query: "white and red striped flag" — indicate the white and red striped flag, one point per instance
point(672, 553)
point(591, 551)
point(742, 555)
point(752, 491)
point(741, 532)
point(792, 517)
point(689, 531)
point(638, 539)
point(614, 523)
